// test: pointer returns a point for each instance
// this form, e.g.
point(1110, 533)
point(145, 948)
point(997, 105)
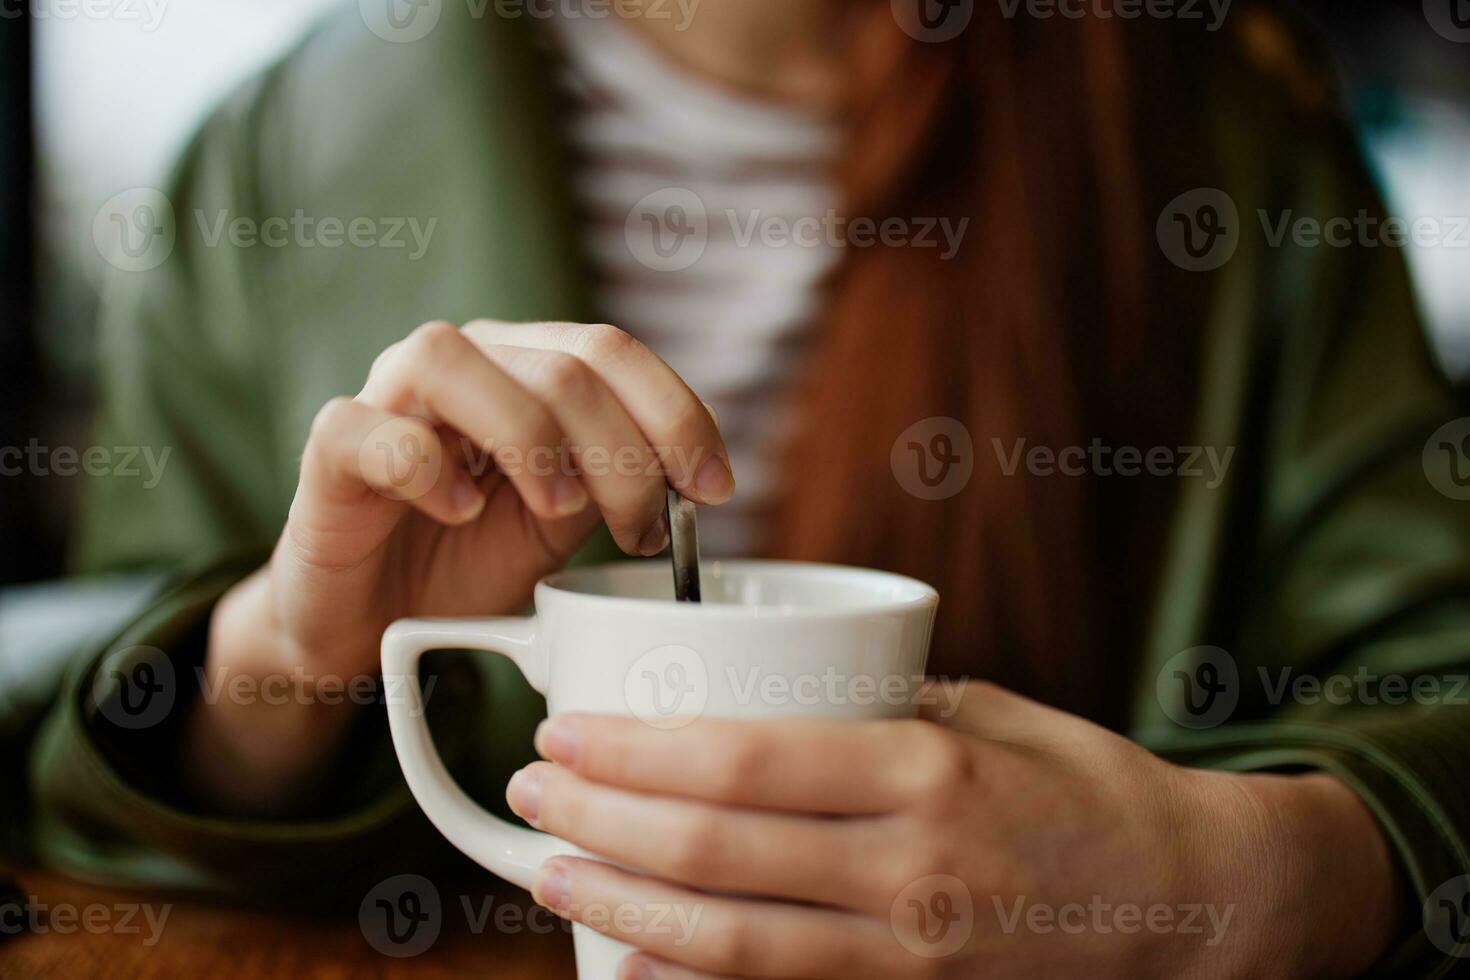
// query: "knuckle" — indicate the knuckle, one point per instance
point(745, 762)
point(334, 416)
point(941, 762)
point(733, 950)
point(978, 691)
point(603, 342)
point(686, 423)
point(561, 810)
point(890, 874)
point(626, 518)
point(694, 849)
point(691, 422)
point(607, 761)
point(435, 329)
point(981, 687)
point(926, 857)
point(479, 328)
point(689, 441)
point(436, 339)
point(386, 357)
point(884, 877)
point(564, 378)
point(526, 425)
point(538, 429)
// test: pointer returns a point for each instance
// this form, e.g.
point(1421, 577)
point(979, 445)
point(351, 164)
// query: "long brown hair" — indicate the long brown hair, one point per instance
point(1057, 322)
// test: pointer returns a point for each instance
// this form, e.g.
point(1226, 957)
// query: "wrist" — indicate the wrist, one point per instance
point(1350, 893)
point(264, 628)
point(1308, 869)
point(245, 635)
point(265, 721)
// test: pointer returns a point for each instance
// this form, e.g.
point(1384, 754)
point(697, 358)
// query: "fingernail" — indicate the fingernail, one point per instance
point(568, 496)
point(655, 538)
point(551, 887)
point(466, 497)
point(523, 793)
point(713, 482)
point(557, 741)
point(712, 413)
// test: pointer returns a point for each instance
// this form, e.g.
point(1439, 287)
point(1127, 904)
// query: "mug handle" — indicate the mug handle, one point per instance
point(514, 853)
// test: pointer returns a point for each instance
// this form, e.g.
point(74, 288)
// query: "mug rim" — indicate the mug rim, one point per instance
point(925, 595)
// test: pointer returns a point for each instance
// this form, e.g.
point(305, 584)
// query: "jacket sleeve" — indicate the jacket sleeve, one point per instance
point(109, 804)
point(1331, 572)
point(182, 380)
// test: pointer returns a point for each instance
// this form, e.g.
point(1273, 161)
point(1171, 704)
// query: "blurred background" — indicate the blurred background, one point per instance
point(97, 97)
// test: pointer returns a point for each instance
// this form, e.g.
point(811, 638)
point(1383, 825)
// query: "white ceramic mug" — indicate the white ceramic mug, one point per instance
point(771, 639)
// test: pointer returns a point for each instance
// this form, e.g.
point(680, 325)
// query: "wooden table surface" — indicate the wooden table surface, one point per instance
point(87, 931)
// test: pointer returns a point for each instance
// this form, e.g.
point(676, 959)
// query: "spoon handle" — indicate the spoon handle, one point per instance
point(685, 537)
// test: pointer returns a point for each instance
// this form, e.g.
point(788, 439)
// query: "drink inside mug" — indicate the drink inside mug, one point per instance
point(760, 585)
point(770, 639)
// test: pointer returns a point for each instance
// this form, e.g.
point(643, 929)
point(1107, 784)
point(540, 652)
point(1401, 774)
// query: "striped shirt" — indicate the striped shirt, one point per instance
point(703, 219)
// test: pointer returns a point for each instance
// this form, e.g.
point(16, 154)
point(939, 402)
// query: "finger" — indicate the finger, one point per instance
point(645, 966)
point(614, 460)
point(809, 765)
point(440, 374)
point(749, 852)
point(360, 454)
point(729, 937)
point(674, 421)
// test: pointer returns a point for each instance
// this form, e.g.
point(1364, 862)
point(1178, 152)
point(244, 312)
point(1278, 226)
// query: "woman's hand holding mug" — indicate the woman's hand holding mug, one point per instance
point(399, 511)
point(997, 837)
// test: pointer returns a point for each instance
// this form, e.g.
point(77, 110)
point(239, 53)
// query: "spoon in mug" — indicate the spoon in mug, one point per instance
point(684, 536)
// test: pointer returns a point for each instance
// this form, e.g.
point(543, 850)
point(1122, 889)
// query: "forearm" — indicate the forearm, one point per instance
point(266, 724)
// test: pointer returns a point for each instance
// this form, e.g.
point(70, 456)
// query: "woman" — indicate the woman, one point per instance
point(1085, 168)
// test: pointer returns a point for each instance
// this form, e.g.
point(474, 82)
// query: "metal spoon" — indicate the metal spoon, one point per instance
point(685, 551)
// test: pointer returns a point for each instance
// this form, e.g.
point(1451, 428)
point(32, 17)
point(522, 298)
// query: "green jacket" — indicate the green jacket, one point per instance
point(1314, 370)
